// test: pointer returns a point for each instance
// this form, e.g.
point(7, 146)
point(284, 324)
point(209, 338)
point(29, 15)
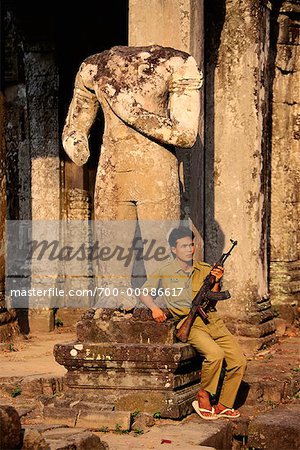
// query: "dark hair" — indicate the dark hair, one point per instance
point(179, 233)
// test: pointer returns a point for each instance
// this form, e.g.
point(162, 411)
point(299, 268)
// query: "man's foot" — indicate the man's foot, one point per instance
point(206, 414)
point(228, 413)
point(203, 407)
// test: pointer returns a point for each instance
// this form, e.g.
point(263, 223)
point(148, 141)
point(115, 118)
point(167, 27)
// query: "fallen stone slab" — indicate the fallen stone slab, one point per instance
point(279, 428)
point(93, 419)
point(10, 426)
point(73, 439)
point(42, 427)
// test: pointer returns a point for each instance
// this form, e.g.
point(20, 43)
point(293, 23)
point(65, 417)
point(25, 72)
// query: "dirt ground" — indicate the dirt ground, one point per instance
point(273, 374)
point(33, 355)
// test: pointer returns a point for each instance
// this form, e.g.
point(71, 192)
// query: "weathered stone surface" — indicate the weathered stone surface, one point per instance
point(143, 421)
point(8, 331)
point(33, 440)
point(123, 375)
point(128, 330)
point(237, 105)
point(285, 184)
point(112, 420)
point(79, 355)
point(10, 426)
point(70, 439)
point(41, 320)
point(251, 345)
point(90, 415)
point(132, 376)
point(280, 427)
point(170, 404)
point(69, 316)
point(2, 197)
point(281, 325)
point(258, 330)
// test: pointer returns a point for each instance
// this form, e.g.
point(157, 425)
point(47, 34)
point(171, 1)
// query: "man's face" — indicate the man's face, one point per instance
point(184, 249)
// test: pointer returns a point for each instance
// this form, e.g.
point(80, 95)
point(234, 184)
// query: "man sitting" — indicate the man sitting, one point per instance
point(181, 279)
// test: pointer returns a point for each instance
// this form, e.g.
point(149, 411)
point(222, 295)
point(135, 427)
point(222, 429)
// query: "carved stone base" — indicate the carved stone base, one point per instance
point(146, 370)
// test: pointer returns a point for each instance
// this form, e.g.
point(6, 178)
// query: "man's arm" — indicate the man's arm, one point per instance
point(157, 313)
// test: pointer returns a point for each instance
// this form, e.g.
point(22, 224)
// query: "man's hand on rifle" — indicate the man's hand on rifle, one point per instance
point(218, 273)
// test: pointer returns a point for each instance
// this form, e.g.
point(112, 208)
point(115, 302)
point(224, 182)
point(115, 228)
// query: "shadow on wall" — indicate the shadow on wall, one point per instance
point(213, 24)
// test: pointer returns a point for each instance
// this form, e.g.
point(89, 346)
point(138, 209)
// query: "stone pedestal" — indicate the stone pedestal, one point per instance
point(128, 362)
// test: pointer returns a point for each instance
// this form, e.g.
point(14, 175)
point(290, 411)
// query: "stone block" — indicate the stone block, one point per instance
point(60, 416)
point(10, 426)
point(94, 418)
point(131, 366)
point(132, 378)
point(170, 404)
point(113, 420)
point(280, 426)
point(8, 331)
point(251, 345)
point(104, 355)
point(281, 325)
point(130, 330)
point(67, 439)
point(33, 440)
point(69, 316)
point(143, 421)
point(41, 320)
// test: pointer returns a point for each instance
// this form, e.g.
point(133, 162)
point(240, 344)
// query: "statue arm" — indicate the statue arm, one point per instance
point(180, 126)
point(81, 115)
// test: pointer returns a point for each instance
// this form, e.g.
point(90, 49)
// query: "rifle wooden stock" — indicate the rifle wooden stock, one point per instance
point(183, 332)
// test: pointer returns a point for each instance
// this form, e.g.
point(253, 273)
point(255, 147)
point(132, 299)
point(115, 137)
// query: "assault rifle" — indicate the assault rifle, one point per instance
point(204, 299)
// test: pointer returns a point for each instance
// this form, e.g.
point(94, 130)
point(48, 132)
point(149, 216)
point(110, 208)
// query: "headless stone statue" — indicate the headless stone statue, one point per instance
point(150, 100)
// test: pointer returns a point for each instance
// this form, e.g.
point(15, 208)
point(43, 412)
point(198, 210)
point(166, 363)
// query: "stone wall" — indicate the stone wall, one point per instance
point(237, 156)
point(285, 185)
point(237, 137)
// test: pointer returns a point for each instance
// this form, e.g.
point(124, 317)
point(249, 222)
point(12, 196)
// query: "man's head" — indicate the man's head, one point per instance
point(181, 242)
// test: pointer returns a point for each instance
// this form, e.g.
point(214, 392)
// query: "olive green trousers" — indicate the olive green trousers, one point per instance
point(215, 342)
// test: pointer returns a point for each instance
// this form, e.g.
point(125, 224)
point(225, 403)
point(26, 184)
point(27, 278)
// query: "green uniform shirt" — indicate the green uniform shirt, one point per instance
point(176, 287)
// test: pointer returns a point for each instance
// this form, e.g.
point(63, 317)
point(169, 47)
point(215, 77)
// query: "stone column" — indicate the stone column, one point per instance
point(2, 199)
point(285, 181)
point(41, 79)
point(32, 144)
point(237, 158)
point(8, 323)
point(177, 24)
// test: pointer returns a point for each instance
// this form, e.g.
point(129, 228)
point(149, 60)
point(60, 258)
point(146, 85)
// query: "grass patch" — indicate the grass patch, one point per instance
point(16, 391)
